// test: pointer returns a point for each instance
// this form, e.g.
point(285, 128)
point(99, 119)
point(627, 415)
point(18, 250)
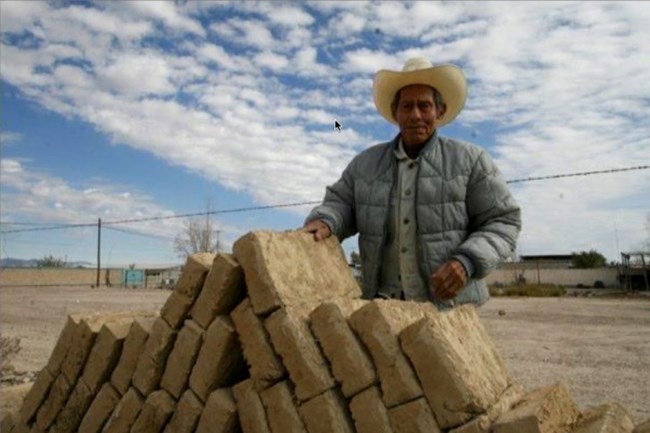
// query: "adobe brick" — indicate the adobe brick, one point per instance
point(83, 340)
point(152, 359)
point(36, 394)
point(100, 409)
point(219, 413)
point(378, 324)
point(545, 410)
point(458, 365)
point(176, 309)
point(326, 413)
point(482, 423)
point(350, 363)
point(63, 344)
point(125, 413)
point(187, 413)
point(252, 415)
point(132, 347)
point(413, 417)
point(369, 413)
point(289, 268)
point(8, 422)
point(281, 410)
point(156, 411)
point(606, 418)
point(220, 360)
point(56, 398)
point(224, 288)
point(265, 366)
point(181, 359)
point(293, 341)
point(644, 427)
point(105, 353)
point(73, 411)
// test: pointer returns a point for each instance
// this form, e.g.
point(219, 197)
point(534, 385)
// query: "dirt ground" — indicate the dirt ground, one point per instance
point(600, 348)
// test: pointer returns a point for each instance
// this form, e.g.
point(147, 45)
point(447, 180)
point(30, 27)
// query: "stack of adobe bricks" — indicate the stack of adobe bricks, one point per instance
point(274, 338)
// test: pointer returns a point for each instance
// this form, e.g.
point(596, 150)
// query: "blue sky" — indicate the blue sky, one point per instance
point(129, 110)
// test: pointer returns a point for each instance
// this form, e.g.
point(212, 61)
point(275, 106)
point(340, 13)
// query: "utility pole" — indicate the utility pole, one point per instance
point(99, 244)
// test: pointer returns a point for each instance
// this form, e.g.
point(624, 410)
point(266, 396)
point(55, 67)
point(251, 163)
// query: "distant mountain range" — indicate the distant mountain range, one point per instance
point(33, 263)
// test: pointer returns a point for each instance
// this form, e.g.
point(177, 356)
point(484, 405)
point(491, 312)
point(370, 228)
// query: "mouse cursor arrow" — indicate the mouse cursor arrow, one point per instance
point(337, 125)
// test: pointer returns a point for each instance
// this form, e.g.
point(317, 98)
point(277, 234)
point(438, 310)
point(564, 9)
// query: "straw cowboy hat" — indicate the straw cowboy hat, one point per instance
point(448, 79)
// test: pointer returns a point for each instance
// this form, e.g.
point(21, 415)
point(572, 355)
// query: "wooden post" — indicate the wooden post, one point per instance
point(99, 244)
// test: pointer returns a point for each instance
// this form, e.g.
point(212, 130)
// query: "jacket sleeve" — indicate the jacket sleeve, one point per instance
point(338, 207)
point(495, 218)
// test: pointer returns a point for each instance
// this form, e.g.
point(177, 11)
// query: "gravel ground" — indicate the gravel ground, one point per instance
point(600, 348)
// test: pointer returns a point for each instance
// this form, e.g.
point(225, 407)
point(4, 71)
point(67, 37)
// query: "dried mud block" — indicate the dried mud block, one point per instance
point(606, 418)
point(252, 416)
point(105, 353)
point(36, 395)
point(219, 413)
point(63, 344)
point(125, 413)
point(21, 427)
point(100, 409)
point(186, 415)
point(413, 417)
point(132, 347)
point(482, 423)
point(182, 358)
point(290, 268)
point(83, 341)
point(369, 413)
point(189, 285)
point(281, 410)
point(70, 416)
point(327, 413)
point(644, 427)
point(265, 367)
point(156, 411)
point(224, 288)
point(56, 398)
point(293, 341)
point(152, 359)
point(220, 359)
point(458, 365)
point(8, 422)
point(350, 363)
point(545, 410)
point(378, 324)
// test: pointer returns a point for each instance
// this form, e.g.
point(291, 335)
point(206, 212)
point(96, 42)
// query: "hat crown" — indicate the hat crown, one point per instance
point(416, 64)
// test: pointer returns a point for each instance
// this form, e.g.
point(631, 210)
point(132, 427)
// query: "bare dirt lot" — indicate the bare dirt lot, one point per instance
point(600, 348)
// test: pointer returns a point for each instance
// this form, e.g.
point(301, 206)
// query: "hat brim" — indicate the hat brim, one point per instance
point(449, 80)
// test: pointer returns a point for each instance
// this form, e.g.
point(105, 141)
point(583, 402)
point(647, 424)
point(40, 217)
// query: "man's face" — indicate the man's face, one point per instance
point(417, 114)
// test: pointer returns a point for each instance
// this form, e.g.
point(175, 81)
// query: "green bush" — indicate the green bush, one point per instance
point(532, 290)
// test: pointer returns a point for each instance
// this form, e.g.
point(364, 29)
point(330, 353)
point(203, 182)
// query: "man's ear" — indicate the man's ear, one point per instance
point(441, 111)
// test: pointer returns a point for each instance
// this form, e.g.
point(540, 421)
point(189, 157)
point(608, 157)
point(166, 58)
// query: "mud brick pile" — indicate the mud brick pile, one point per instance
point(275, 339)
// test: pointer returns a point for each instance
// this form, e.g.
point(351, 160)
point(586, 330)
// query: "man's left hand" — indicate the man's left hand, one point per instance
point(448, 280)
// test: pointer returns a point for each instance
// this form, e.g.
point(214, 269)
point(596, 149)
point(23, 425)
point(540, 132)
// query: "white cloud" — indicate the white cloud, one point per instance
point(271, 60)
point(137, 74)
point(165, 11)
point(7, 137)
point(15, 16)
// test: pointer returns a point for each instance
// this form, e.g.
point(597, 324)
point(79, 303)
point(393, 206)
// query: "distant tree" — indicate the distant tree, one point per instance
point(588, 259)
point(50, 261)
point(355, 259)
point(198, 236)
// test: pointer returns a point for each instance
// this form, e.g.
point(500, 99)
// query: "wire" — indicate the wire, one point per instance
point(586, 173)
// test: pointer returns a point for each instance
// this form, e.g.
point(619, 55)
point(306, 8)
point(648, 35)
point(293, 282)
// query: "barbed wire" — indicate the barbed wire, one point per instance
point(276, 206)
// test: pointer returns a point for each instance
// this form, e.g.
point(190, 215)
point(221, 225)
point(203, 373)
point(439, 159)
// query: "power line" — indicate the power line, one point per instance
point(279, 206)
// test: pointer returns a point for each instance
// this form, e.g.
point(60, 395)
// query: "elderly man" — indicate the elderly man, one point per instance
point(434, 215)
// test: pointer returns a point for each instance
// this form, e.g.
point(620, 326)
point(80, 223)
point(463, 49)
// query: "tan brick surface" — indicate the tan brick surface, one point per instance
point(73, 411)
point(36, 394)
point(369, 413)
point(219, 414)
point(100, 409)
point(265, 366)
point(132, 347)
point(289, 268)
point(545, 410)
point(8, 422)
point(458, 365)
point(105, 353)
point(181, 359)
point(413, 417)
point(176, 309)
point(378, 325)
point(78, 352)
point(643, 427)
point(63, 344)
point(291, 338)
point(350, 363)
point(125, 413)
point(56, 398)
point(220, 359)
point(326, 413)
point(152, 359)
point(281, 410)
point(482, 423)
point(156, 411)
point(252, 416)
point(223, 290)
point(187, 413)
point(606, 418)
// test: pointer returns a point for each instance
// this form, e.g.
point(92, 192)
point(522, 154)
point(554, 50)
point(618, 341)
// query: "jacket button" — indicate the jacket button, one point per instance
point(407, 192)
point(406, 221)
point(404, 249)
point(411, 165)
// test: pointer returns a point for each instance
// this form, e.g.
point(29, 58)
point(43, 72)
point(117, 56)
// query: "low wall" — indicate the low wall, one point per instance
point(59, 277)
point(564, 277)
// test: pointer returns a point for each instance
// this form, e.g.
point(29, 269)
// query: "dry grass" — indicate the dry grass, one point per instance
point(9, 347)
point(529, 290)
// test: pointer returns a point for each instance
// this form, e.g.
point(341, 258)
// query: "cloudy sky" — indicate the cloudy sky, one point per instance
point(151, 110)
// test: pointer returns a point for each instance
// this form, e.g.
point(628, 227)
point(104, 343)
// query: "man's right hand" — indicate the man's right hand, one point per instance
point(319, 229)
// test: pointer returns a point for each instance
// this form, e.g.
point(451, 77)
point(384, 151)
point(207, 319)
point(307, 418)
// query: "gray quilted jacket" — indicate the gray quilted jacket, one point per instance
point(463, 206)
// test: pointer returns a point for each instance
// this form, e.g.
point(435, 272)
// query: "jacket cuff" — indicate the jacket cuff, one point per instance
point(467, 264)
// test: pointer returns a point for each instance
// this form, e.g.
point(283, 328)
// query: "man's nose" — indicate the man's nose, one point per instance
point(415, 113)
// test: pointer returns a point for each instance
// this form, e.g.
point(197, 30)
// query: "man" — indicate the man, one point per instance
point(434, 215)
